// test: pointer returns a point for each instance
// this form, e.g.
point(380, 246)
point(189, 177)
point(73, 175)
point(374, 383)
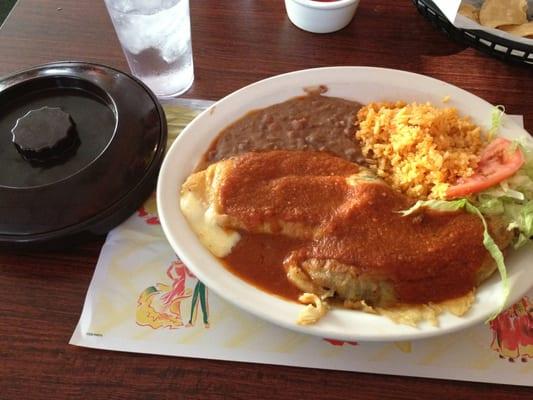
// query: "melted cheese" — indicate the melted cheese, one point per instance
point(202, 219)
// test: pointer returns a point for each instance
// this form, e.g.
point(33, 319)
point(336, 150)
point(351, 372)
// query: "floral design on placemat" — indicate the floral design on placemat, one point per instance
point(163, 305)
point(336, 342)
point(148, 211)
point(512, 332)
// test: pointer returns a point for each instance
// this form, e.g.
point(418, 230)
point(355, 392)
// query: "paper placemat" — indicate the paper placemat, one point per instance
point(143, 299)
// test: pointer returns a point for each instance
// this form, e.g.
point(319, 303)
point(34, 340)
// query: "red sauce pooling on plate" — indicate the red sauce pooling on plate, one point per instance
point(258, 258)
point(426, 257)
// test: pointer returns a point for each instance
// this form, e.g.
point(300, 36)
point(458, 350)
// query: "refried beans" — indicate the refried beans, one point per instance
point(309, 122)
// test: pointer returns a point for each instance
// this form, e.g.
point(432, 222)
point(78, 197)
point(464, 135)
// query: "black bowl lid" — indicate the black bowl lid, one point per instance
point(80, 148)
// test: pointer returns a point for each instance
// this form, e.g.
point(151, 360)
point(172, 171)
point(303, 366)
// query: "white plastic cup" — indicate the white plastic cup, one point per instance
point(321, 17)
point(155, 36)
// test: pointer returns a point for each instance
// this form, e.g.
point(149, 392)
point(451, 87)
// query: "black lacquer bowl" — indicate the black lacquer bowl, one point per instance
point(117, 135)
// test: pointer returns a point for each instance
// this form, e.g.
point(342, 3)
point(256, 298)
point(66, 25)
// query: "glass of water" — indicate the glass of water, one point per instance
point(155, 36)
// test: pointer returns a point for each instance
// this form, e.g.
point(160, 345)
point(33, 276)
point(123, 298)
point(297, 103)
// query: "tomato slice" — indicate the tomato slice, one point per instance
point(497, 163)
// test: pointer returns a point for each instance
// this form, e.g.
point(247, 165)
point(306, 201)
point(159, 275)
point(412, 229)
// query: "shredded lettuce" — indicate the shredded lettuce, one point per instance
point(491, 206)
point(496, 120)
point(488, 242)
point(439, 205)
point(513, 198)
point(521, 219)
point(496, 254)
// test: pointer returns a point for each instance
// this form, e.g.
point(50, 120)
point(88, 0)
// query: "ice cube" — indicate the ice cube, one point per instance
point(177, 43)
point(166, 29)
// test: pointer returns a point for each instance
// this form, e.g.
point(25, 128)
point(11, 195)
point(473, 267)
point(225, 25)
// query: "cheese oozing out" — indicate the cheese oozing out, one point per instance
point(203, 221)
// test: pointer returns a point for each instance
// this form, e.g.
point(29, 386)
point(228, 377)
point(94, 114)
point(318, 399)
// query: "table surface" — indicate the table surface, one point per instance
point(42, 292)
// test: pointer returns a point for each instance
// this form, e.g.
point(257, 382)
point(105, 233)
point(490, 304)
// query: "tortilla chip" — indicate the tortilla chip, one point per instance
point(525, 30)
point(495, 13)
point(469, 11)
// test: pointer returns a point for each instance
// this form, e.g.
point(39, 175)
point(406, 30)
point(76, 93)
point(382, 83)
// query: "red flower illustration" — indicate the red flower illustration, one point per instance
point(512, 332)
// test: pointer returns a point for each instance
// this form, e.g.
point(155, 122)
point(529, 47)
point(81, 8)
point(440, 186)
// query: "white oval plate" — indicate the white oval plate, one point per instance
point(363, 84)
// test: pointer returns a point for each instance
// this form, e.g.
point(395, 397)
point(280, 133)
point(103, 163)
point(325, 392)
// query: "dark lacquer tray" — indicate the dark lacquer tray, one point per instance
point(117, 136)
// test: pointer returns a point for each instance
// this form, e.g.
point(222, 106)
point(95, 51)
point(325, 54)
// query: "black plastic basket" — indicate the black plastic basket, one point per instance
point(495, 46)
